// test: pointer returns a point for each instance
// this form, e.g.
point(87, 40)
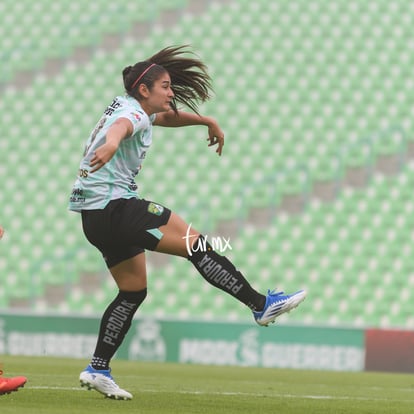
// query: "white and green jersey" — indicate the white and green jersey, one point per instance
point(116, 179)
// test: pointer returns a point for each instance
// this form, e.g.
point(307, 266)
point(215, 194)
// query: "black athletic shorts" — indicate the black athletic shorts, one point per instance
point(125, 228)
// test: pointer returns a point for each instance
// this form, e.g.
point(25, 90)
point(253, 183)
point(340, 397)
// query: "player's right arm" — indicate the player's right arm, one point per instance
point(119, 130)
point(1, 232)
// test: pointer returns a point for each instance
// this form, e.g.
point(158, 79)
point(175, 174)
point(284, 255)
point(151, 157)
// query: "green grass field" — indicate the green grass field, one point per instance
point(53, 388)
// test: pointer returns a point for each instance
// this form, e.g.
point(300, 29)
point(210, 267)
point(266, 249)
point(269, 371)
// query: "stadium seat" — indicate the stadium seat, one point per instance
point(329, 97)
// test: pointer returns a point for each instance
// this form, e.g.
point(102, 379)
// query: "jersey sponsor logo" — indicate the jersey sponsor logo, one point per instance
point(77, 196)
point(111, 108)
point(155, 209)
point(83, 173)
point(136, 116)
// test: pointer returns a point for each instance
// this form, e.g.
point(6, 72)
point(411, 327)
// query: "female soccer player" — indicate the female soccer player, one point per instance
point(123, 225)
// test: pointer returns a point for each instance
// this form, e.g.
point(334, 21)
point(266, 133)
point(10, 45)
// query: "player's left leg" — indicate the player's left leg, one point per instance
point(179, 239)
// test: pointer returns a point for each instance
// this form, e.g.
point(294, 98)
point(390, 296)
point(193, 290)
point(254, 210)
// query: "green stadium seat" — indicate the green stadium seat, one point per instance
point(319, 102)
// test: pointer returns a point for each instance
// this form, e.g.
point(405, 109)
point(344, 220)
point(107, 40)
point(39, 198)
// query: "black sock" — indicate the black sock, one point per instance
point(115, 324)
point(99, 363)
point(221, 273)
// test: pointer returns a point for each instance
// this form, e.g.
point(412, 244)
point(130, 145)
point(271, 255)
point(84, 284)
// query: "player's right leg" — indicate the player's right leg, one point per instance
point(131, 279)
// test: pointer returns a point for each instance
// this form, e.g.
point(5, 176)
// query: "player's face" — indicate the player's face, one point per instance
point(161, 94)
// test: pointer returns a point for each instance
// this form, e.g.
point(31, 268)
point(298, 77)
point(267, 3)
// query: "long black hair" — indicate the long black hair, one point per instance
point(190, 81)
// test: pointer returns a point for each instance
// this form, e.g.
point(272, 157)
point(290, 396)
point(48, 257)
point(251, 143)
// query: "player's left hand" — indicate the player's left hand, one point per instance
point(216, 137)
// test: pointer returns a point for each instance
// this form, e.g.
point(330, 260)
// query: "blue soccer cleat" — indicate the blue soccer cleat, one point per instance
point(102, 381)
point(276, 304)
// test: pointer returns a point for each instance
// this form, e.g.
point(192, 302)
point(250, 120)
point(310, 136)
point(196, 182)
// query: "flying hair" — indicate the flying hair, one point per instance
point(190, 80)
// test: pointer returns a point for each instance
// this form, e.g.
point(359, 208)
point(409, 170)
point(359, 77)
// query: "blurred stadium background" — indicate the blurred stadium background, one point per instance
point(315, 185)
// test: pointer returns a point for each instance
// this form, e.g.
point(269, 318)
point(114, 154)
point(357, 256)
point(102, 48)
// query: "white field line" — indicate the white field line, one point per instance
point(245, 394)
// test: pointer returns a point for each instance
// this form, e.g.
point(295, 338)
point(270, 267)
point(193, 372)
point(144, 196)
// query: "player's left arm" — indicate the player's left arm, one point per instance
point(181, 119)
